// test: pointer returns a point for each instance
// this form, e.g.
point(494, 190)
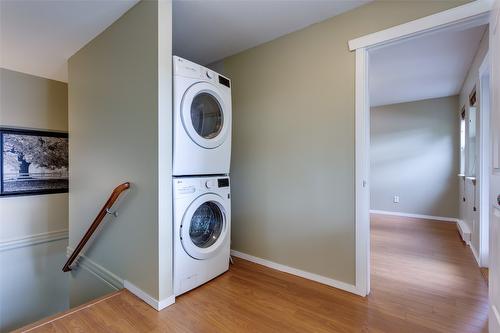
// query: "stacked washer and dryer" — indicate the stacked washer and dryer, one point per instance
point(201, 187)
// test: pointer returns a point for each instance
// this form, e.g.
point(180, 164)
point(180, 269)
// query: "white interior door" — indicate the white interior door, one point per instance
point(494, 260)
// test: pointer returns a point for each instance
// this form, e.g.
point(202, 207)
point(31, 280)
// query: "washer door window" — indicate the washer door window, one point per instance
point(203, 228)
point(203, 115)
point(206, 224)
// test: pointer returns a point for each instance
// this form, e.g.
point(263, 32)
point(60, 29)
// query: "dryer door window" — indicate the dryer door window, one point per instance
point(206, 115)
point(206, 225)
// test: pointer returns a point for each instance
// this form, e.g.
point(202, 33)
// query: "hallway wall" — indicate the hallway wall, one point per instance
point(414, 155)
point(32, 102)
point(33, 228)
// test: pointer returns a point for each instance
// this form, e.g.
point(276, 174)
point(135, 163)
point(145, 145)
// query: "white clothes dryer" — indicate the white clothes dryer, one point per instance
point(202, 120)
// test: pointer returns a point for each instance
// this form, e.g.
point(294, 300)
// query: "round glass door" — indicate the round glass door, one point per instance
point(206, 225)
point(203, 228)
point(204, 115)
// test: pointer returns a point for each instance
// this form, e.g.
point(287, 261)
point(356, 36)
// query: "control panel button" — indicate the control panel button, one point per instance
point(211, 183)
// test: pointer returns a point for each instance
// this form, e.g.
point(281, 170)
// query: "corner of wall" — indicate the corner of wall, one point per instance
point(127, 133)
point(165, 214)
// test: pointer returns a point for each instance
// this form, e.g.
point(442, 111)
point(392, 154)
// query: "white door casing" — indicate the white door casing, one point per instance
point(484, 147)
point(469, 15)
point(494, 258)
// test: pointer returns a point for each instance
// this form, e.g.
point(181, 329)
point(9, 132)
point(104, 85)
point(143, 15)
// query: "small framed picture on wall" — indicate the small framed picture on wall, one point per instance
point(33, 162)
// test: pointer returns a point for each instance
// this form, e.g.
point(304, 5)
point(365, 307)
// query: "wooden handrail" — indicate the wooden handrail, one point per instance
point(97, 221)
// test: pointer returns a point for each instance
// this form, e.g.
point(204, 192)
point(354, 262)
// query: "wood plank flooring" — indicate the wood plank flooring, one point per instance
point(485, 273)
point(424, 279)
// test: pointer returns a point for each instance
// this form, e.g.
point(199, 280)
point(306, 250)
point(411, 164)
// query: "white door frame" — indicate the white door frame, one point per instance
point(468, 15)
point(484, 160)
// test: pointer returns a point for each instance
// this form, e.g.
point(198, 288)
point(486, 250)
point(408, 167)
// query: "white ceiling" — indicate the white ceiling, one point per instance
point(421, 68)
point(209, 30)
point(38, 36)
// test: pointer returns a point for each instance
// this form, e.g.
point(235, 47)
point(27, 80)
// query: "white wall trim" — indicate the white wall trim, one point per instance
point(473, 10)
point(474, 253)
point(362, 172)
point(417, 216)
point(496, 315)
point(467, 15)
point(164, 151)
point(117, 283)
point(162, 304)
point(97, 270)
point(294, 271)
point(151, 301)
point(464, 231)
point(31, 240)
point(484, 159)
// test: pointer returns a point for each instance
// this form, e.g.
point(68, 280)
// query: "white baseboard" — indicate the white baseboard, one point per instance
point(294, 271)
point(117, 282)
point(474, 253)
point(31, 240)
point(494, 319)
point(417, 216)
point(97, 270)
point(162, 304)
point(151, 301)
point(464, 231)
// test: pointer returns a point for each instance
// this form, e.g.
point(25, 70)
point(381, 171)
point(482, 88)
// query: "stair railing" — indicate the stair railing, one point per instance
point(105, 210)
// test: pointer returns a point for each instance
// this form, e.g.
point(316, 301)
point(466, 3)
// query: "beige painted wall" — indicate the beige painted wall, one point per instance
point(414, 155)
point(35, 286)
point(33, 102)
point(117, 114)
point(293, 140)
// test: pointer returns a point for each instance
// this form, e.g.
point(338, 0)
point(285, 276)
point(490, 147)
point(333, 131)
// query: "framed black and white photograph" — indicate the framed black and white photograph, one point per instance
point(33, 162)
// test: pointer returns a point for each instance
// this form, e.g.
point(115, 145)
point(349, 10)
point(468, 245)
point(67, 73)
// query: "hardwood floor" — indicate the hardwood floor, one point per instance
point(424, 279)
point(485, 273)
point(424, 273)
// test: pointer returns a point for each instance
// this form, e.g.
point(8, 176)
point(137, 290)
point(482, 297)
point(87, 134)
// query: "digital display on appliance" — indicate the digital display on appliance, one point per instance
point(224, 81)
point(223, 182)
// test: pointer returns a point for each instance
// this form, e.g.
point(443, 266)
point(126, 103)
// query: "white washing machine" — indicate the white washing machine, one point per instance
point(202, 225)
point(202, 120)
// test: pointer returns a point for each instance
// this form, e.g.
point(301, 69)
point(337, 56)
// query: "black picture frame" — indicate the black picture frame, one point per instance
point(33, 183)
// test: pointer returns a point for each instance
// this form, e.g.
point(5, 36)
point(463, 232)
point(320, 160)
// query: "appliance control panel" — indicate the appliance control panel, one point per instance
point(186, 68)
point(191, 185)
